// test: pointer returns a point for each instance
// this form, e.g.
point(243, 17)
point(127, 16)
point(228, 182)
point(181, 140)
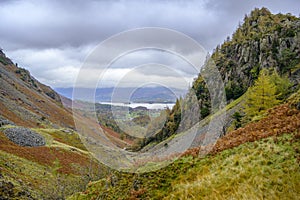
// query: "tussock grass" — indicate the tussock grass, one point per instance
point(48, 172)
point(264, 169)
point(43, 182)
point(71, 138)
point(261, 170)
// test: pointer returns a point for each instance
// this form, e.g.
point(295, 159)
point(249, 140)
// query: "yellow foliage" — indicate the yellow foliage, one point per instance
point(261, 96)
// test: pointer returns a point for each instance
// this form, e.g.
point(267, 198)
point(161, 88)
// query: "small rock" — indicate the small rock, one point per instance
point(67, 131)
point(4, 122)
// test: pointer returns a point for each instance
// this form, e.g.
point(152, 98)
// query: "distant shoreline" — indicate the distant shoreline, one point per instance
point(157, 106)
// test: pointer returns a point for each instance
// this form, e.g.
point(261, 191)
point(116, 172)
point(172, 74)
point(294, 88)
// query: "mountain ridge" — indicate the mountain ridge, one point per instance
point(28, 102)
point(138, 95)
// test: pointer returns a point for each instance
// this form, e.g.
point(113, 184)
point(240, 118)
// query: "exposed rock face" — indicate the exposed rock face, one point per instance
point(264, 40)
point(4, 122)
point(278, 47)
point(24, 137)
point(34, 84)
point(3, 59)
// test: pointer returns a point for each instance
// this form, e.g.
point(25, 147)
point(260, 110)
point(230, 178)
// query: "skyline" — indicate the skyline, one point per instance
point(54, 38)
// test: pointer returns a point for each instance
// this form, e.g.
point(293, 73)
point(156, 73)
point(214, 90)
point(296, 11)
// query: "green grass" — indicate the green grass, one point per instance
point(295, 68)
point(259, 170)
point(20, 172)
point(41, 181)
point(72, 138)
point(265, 169)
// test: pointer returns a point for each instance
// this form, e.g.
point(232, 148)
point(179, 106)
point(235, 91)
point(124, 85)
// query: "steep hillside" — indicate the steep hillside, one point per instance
point(263, 41)
point(41, 154)
point(255, 170)
point(27, 102)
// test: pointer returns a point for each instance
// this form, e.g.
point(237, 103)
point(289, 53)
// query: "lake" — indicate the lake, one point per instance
point(157, 106)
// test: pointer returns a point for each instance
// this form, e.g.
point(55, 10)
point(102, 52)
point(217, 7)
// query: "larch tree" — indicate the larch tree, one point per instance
point(261, 96)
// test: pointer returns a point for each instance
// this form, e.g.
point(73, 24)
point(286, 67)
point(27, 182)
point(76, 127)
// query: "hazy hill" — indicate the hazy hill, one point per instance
point(144, 95)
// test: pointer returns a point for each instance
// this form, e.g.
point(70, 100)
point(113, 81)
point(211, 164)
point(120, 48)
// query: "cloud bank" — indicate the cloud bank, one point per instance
point(53, 38)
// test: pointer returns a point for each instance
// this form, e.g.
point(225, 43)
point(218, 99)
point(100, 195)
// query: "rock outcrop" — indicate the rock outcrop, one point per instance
point(4, 122)
point(264, 40)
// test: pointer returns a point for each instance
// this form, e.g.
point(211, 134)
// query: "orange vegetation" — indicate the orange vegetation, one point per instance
point(32, 99)
point(281, 119)
point(13, 117)
point(47, 155)
point(116, 137)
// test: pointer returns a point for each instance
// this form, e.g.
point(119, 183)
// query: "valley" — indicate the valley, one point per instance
point(163, 143)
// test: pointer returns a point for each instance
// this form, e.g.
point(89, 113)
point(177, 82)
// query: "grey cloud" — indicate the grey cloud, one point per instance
point(32, 26)
point(48, 24)
point(145, 58)
point(44, 24)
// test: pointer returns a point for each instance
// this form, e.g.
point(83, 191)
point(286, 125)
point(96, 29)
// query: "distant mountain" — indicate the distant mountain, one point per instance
point(140, 95)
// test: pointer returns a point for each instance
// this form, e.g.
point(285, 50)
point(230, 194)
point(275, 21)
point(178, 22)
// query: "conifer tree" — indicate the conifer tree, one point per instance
point(261, 96)
point(283, 85)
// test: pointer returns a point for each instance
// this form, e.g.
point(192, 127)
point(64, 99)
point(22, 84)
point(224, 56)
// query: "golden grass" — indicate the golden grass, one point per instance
point(266, 169)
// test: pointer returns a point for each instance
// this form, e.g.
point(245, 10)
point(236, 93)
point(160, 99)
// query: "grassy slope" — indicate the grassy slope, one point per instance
point(38, 179)
point(265, 169)
point(64, 161)
point(41, 171)
point(258, 161)
point(268, 168)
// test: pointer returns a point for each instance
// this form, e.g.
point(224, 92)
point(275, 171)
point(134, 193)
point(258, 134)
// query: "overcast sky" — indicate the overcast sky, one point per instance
point(52, 38)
